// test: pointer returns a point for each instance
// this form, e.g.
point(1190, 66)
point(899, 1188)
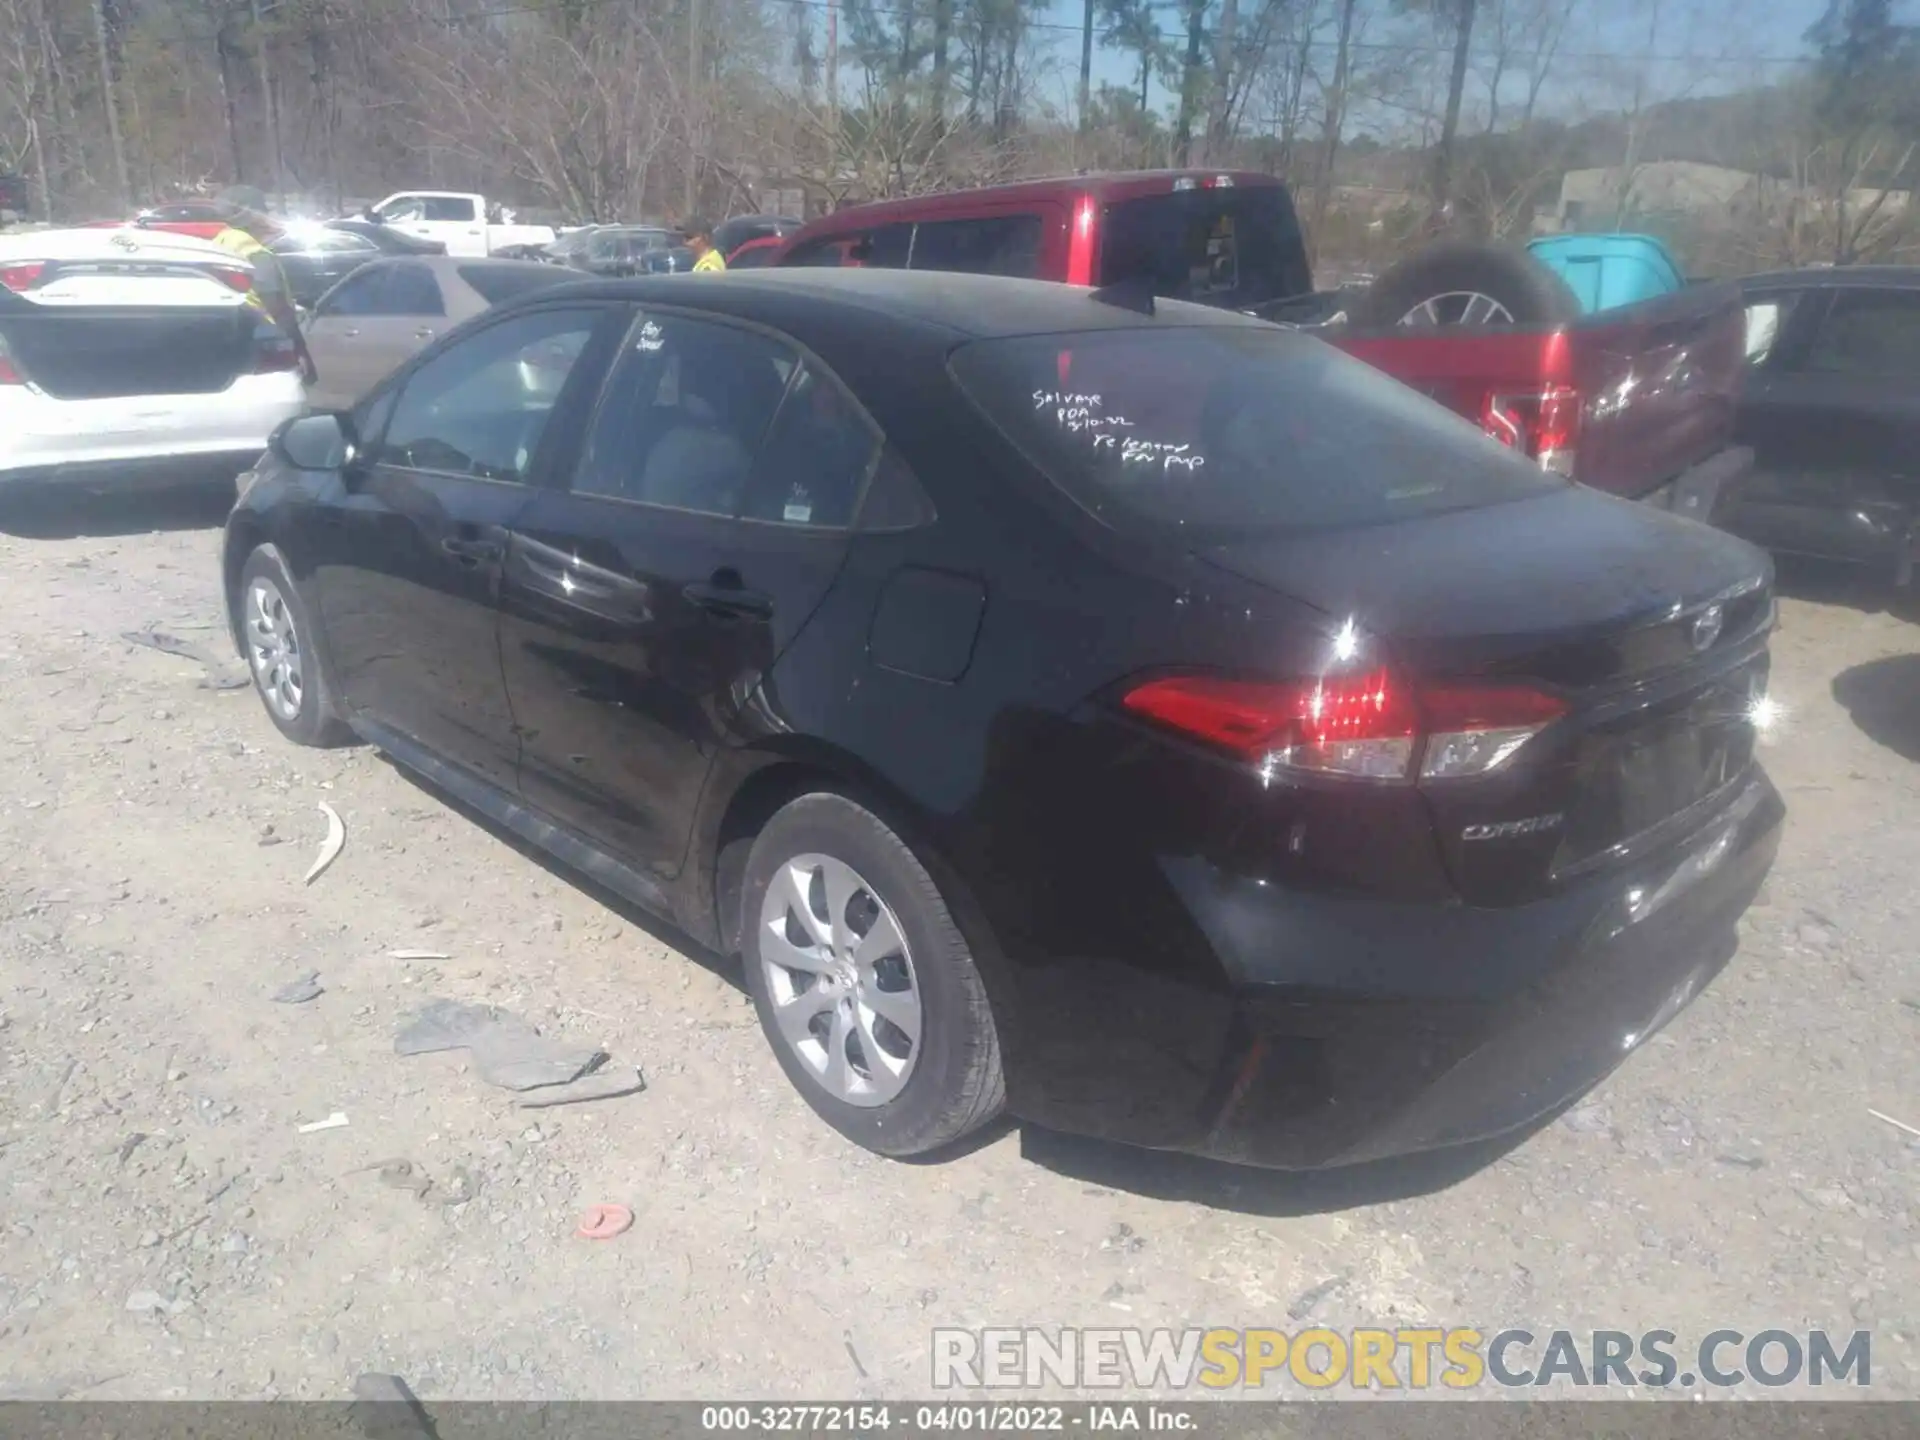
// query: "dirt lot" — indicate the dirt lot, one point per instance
point(167, 1230)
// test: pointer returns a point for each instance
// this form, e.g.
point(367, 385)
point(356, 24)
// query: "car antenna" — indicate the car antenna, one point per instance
point(1133, 294)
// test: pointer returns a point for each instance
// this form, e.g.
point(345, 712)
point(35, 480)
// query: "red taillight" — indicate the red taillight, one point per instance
point(1371, 726)
point(10, 372)
point(1080, 243)
point(22, 275)
point(234, 278)
point(1544, 425)
point(273, 354)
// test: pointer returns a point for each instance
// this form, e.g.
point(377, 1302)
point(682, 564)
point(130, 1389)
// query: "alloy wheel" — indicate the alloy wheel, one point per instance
point(1457, 307)
point(840, 977)
point(273, 648)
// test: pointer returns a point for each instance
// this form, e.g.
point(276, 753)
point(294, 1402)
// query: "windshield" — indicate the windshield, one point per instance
point(1230, 432)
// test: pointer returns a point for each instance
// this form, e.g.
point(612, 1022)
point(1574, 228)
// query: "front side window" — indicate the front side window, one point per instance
point(481, 407)
point(1224, 433)
point(1869, 332)
point(453, 208)
point(884, 247)
point(683, 415)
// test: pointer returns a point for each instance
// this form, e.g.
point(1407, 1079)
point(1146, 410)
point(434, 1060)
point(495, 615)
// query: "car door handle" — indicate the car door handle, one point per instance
point(351, 333)
point(729, 602)
point(423, 334)
point(472, 552)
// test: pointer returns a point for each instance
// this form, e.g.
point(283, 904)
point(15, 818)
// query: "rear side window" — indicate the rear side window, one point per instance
point(1216, 434)
point(1767, 317)
point(986, 245)
point(448, 207)
point(815, 459)
point(1869, 332)
point(1230, 247)
point(683, 415)
point(412, 290)
point(497, 284)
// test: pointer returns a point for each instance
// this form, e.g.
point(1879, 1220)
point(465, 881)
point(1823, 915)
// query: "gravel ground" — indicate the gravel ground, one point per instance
point(167, 1230)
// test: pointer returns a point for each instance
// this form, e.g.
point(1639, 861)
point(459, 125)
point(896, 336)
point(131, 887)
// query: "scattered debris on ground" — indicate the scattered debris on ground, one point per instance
point(300, 990)
point(331, 846)
point(335, 1121)
point(221, 674)
point(511, 1054)
point(603, 1222)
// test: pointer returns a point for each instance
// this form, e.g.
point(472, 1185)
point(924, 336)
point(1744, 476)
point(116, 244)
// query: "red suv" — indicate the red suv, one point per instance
point(1227, 238)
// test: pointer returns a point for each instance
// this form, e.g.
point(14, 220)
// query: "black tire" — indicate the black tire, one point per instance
point(955, 1084)
point(1529, 292)
point(314, 721)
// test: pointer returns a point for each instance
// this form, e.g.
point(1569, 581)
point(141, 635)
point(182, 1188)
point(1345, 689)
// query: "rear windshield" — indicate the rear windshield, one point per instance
point(1235, 248)
point(496, 284)
point(1225, 433)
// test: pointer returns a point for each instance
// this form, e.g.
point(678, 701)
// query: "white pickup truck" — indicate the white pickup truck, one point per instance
point(466, 224)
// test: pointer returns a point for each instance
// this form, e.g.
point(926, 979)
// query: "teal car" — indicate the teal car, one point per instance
point(1608, 271)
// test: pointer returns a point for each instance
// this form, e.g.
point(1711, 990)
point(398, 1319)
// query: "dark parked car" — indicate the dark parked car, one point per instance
point(316, 259)
point(613, 251)
point(1159, 721)
point(673, 260)
point(729, 235)
point(386, 238)
point(1832, 411)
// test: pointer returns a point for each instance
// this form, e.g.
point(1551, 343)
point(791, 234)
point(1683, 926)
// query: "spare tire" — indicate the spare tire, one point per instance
point(1466, 282)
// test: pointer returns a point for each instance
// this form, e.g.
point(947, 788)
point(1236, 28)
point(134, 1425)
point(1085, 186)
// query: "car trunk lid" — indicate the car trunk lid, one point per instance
point(92, 315)
point(1652, 629)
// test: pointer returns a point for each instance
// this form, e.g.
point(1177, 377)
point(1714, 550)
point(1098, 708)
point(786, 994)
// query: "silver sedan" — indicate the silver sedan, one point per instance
point(372, 321)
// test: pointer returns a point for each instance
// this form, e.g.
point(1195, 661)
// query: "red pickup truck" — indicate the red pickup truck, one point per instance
point(1638, 401)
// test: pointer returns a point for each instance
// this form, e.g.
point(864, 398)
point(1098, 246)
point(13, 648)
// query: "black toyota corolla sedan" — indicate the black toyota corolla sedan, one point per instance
point(1138, 716)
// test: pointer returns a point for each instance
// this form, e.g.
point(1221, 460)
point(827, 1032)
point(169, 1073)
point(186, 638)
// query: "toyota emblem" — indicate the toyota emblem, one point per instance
point(123, 241)
point(1706, 627)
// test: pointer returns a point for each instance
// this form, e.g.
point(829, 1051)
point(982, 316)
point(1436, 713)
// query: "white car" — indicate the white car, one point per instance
point(133, 356)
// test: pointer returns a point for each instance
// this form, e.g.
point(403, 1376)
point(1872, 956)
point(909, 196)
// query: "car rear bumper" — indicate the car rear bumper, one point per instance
point(1353, 1030)
point(43, 440)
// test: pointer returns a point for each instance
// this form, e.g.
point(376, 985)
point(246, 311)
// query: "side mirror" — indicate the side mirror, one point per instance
point(315, 442)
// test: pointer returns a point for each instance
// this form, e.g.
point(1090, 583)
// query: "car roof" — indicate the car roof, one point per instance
point(969, 307)
point(1880, 277)
point(1104, 185)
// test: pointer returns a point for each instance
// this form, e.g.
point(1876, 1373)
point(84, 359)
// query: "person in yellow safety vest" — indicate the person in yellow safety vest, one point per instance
point(706, 259)
point(246, 235)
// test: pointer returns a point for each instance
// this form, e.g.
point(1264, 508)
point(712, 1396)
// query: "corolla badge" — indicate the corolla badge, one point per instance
point(1706, 627)
point(1512, 829)
point(125, 242)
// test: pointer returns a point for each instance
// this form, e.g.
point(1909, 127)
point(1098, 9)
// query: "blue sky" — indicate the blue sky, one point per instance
point(1729, 34)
